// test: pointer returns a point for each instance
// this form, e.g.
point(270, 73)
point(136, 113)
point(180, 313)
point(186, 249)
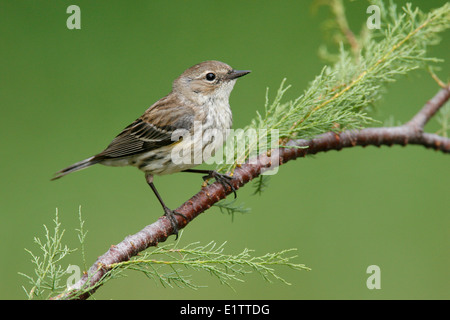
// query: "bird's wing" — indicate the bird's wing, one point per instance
point(151, 131)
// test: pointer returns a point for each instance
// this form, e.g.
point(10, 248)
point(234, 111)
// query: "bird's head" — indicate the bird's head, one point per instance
point(208, 80)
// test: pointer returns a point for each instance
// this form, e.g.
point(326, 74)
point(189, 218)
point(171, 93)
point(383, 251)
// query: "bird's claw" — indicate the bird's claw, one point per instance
point(223, 179)
point(170, 214)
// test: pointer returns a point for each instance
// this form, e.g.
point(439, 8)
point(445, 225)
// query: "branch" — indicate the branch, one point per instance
point(410, 133)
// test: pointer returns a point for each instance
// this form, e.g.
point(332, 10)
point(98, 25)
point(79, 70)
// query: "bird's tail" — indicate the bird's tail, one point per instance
point(76, 166)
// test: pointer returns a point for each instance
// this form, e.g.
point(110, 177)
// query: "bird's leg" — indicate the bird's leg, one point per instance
point(223, 179)
point(170, 214)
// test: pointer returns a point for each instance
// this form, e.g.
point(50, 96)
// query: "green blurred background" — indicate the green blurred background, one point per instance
point(64, 94)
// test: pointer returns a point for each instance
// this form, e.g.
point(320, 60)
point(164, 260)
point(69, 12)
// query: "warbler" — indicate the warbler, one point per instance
point(199, 99)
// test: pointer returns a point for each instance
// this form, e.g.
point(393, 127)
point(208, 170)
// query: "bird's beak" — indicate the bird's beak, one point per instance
point(236, 74)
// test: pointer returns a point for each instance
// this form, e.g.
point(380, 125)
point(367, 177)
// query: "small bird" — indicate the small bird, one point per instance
point(199, 99)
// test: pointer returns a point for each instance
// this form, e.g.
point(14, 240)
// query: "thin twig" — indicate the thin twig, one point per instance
point(441, 83)
point(430, 108)
point(339, 11)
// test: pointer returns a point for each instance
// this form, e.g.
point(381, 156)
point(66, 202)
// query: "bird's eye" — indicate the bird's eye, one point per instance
point(210, 76)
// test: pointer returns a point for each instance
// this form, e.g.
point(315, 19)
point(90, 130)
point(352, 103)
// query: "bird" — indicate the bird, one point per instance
point(194, 116)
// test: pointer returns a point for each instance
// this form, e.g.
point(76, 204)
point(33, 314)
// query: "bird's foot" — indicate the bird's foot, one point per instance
point(223, 179)
point(170, 214)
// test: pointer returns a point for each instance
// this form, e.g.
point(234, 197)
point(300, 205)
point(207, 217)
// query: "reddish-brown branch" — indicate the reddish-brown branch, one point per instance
point(159, 231)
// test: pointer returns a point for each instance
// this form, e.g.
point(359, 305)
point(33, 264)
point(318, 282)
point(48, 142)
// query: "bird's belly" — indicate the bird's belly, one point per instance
point(192, 151)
